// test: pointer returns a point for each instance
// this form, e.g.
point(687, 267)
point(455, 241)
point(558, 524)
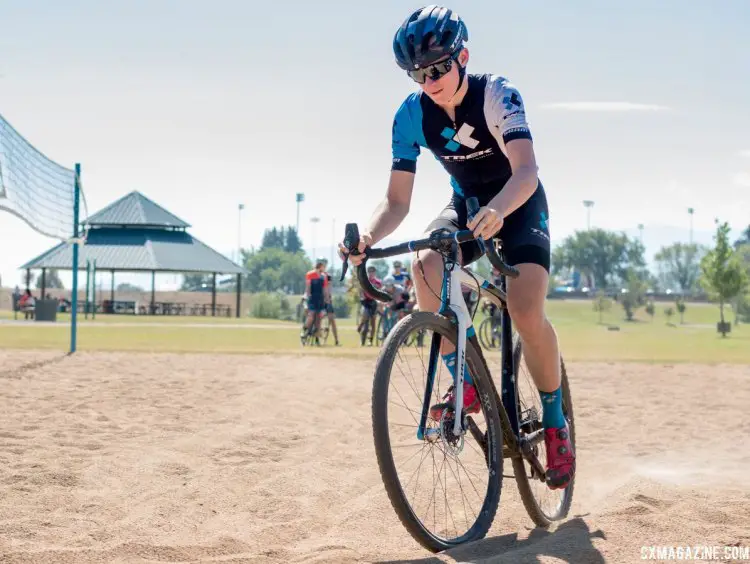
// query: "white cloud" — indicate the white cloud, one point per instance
point(745, 153)
point(604, 107)
point(742, 179)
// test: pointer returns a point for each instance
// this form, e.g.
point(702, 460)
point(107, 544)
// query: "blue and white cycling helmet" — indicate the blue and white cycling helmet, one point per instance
point(428, 35)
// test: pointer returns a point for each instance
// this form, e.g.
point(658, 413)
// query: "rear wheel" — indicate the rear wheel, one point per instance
point(542, 504)
point(444, 488)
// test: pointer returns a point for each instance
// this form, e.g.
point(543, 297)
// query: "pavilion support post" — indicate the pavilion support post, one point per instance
point(112, 290)
point(239, 291)
point(153, 292)
point(87, 301)
point(28, 278)
point(44, 283)
point(213, 296)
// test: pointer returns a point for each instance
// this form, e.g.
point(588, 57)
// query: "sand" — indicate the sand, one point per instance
point(114, 457)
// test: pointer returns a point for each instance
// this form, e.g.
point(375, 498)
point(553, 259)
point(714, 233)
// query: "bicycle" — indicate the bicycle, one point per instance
point(317, 332)
point(509, 424)
point(489, 332)
point(386, 321)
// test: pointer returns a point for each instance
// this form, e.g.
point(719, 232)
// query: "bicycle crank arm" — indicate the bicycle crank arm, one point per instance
point(526, 446)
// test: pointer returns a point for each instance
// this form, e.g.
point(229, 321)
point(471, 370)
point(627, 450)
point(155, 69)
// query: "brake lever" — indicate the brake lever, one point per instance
point(472, 207)
point(351, 242)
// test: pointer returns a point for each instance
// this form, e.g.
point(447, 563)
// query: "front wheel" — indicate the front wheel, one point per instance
point(542, 504)
point(444, 488)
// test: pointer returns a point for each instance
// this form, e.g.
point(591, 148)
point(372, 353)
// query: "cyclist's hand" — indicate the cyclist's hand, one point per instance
point(486, 223)
point(364, 241)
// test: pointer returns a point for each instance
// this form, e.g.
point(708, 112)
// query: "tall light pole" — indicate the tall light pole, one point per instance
point(640, 228)
point(300, 198)
point(588, 204)
point(691, 211)
point(240, 207)
point(313, 220)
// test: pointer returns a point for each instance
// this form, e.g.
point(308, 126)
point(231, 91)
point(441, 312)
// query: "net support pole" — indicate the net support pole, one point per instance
point(87, 294)
point(74, 297)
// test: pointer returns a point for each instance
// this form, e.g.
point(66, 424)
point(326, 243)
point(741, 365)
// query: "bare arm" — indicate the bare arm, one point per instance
point(522, 183)
point(393, 209)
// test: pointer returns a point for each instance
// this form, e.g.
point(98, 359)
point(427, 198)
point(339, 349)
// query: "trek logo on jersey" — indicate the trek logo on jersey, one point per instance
point(471, 156)
point(511, 101)
point(460, 137)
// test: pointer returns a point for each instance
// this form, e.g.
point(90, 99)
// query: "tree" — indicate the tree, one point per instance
point(292, 242)
point(382, 268)
point(679, 266)
point(273, 239)
point(650, 310)
point(274, 269)
point(681, 307)
point(51, 280)
point(669, 312)
point(741, 304)
point(196, 283)
point(601, 304)
point(604, 255)
point(635, 295)
point(744, 238)
point(723, 275)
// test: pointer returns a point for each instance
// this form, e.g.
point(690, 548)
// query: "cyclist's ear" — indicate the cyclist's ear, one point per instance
point(463, 57)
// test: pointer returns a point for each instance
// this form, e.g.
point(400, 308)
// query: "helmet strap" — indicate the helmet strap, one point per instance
point(461, 75)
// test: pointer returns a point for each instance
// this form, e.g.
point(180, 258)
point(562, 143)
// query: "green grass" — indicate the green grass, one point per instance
point(581, 335)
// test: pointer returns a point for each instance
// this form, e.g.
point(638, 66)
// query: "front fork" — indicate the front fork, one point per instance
point(455, 306)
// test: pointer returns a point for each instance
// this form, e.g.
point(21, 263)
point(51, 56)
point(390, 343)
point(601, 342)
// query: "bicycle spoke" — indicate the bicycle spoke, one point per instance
point(411, 411)
point(457, 477)
point(413, 387)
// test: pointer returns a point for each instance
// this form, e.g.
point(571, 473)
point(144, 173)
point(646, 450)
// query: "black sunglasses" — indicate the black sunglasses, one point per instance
point(434, 71)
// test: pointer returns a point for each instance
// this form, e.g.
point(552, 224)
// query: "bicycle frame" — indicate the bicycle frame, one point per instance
point(454, 304)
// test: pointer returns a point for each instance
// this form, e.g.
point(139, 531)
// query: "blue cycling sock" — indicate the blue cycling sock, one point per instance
point(552, 416)
point(450, 362)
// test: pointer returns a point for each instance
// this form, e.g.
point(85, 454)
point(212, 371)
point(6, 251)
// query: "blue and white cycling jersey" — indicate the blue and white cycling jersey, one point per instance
point(471, 148)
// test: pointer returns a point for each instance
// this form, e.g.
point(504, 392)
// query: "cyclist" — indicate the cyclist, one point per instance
point(329, 307)
point(316, 284)
point(476, 126)
point(399, 296)
point(401, 276)
point(369, 304)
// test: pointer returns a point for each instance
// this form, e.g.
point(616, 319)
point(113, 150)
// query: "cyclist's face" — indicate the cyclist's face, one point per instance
point(443, 89)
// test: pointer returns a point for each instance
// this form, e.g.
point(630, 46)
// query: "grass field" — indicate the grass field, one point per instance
point(581, 335)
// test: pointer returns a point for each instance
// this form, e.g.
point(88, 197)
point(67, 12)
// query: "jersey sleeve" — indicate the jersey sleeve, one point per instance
point(505, 111)
point(404, 142)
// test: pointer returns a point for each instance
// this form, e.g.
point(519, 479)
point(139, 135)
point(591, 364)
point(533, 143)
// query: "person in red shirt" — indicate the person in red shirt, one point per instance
point(316, 284)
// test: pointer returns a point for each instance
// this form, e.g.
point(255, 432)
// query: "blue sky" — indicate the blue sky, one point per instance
point(640, 106)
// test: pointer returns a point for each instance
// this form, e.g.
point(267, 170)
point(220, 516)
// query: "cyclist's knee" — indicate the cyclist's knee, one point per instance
point(428, 262)
point(527, 313)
